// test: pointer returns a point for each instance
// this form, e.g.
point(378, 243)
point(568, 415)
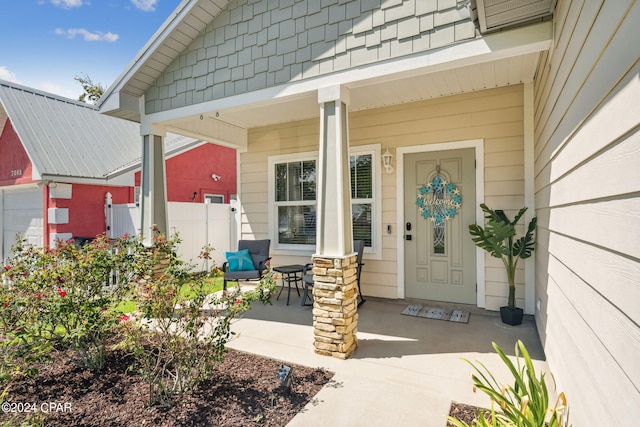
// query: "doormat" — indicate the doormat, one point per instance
point(459, 316)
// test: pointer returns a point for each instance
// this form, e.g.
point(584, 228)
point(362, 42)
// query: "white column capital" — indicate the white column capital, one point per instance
point(152, 129)
point(334, 93)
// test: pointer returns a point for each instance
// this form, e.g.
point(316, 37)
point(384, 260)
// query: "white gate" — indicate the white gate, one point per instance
point(198, 225)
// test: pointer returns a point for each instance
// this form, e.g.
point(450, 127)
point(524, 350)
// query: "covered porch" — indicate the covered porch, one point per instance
point(541, 107)
point(465, 106)
point(406, 371)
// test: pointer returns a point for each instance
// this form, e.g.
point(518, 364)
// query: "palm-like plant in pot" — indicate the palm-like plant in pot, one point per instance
point(499, 239)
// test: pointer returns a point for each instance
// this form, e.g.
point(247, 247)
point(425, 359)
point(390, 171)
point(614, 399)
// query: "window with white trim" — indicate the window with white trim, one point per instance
point(295, 198)
point(292, 194)
point(213, 198)
point(362, 201)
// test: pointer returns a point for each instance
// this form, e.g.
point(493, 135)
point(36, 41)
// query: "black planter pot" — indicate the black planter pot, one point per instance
point(511, 317)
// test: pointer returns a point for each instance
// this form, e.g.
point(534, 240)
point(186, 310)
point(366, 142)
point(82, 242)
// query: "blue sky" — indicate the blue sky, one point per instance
point(46, 43)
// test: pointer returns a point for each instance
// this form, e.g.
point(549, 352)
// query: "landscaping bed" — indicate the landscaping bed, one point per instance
point(243, 392)
point(464, 412)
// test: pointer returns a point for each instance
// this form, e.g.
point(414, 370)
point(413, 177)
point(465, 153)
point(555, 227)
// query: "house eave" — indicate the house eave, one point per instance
point(122, 105)
point(143, 69)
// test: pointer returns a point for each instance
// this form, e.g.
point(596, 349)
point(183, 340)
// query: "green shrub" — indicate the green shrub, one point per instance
point(75, 297)
point(180, 331)
point(61, 296)
point(526, 403)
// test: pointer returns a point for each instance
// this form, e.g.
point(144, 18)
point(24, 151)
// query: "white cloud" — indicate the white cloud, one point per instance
point(66, 91)
point(88, 36)
point(7, 75)
point(145, 5)
point(67, 4)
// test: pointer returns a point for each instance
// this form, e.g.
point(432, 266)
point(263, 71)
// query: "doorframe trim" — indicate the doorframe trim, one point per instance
point(478, 146)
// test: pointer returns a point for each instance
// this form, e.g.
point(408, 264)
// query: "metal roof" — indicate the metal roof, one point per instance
point(68, 138)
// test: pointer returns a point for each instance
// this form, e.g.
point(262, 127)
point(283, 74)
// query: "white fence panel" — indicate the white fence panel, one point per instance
point(198, 225)
point(123, 219)
point(220, 231)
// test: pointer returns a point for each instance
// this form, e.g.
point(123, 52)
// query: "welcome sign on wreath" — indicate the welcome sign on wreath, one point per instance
point(439, 200)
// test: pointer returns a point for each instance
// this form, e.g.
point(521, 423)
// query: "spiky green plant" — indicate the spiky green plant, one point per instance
point(499, 239)
point(525, 404)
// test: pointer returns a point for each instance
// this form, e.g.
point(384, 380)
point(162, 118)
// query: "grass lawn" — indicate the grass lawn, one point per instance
point(212, 285)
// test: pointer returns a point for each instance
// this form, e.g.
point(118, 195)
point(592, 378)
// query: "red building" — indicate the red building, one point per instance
point(59, 158)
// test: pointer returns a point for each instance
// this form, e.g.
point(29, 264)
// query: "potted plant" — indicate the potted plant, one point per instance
point(499, 239)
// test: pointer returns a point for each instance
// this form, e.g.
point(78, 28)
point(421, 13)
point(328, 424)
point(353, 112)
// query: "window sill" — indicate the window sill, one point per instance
point(309, 253)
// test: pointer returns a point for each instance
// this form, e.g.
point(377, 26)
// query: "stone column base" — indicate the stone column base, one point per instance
point(335, 316)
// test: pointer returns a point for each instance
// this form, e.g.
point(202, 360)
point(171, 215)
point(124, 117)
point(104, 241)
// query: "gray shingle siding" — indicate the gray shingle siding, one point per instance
point(254, 44)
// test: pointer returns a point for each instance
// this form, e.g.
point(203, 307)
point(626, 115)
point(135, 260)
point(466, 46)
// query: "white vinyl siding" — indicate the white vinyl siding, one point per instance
point(496, 116)
point(587, 185)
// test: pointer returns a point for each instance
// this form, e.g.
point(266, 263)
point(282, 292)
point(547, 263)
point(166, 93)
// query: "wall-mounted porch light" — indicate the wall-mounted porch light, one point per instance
point(387, 159)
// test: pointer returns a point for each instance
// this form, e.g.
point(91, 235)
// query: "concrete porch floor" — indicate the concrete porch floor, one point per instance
point(406, 370)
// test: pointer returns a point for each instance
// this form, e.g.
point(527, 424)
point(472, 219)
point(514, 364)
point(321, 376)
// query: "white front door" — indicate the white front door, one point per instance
point(440, 192)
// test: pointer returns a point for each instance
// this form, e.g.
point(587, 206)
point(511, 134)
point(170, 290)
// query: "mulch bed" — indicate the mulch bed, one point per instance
point(245, 392)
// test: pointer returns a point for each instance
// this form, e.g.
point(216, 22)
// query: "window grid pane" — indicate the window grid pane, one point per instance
point(281, 182)
point(309, 180)
point(294, 189)
point(297, 225)
point(362, 222)
point(361, 176)
point(296, 182)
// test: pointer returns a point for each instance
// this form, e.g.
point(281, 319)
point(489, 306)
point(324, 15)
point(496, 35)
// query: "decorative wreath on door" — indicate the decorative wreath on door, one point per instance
point(439, 200)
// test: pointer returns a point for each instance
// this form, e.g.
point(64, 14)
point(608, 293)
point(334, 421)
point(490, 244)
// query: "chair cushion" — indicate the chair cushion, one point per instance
point(239, 261)
point(258, 247)
point(242, 275)
point(257, 259)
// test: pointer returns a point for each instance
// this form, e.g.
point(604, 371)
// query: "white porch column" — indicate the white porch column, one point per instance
point(335, 317)
point(153, 197)
point(334, 224)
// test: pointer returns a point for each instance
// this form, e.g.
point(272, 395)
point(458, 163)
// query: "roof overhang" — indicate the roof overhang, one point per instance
point(185, 23)
point(500, 59)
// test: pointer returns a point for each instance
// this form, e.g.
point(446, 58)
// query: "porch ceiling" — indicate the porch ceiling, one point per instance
point(369, 93)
